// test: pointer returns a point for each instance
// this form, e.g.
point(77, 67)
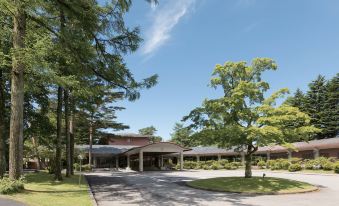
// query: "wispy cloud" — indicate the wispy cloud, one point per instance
point(163, 21)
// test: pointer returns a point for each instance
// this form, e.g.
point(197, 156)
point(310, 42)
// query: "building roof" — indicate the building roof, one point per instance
point(105, 149)
point(128, 135)
point(208, 150)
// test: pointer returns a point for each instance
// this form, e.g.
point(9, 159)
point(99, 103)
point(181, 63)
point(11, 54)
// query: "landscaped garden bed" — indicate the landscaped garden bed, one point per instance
point(254, 185)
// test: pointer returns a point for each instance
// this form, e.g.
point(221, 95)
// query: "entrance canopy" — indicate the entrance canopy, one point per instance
point(159, 147)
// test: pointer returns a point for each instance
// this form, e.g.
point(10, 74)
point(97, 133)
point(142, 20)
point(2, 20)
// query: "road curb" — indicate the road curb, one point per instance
point(90, 192)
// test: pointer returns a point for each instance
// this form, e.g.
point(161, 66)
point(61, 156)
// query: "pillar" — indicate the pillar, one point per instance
point(95, 162)
point(128, 162)
point(198, 158)
point(181, 160)
point(162, 161)
point(289, 154)
point(268, 156)
point(219, 157)
point(316, 153)
point(117, 162)
point(242, 158)
point(141, 161)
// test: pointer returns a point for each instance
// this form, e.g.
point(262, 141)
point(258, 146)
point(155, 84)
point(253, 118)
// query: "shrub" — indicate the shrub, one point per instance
point(294, 167)
point(270, 163)
point(328, 166)
point(8, 186)
point(295, 160)
point(261, 164)
point(209, 162)
point(86, 167)
point(311, 164)
point(223, 162)
point(215, 166)
point(190, 165)
point(280, 164)
point(234, 165)
point(336, 167)
point(205, 167)
point(76, 166)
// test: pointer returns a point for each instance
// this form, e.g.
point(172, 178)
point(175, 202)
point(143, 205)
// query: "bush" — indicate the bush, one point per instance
point(223, 162)
point(234, 165)
point(294, 167)
point(328, 166)
point(336, 167)
point(261, 164)
point(8, 186)
point(205, 167)
point(76, 166)
point(280, 164)
point(270, 163)
point(295, 160)
point(190, 164)
point(215, 166)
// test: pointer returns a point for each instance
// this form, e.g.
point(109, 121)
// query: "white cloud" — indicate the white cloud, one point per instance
point(163, 21)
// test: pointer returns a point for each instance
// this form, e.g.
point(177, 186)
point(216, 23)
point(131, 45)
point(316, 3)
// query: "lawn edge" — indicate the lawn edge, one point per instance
point(314, 189)
point(90, 192)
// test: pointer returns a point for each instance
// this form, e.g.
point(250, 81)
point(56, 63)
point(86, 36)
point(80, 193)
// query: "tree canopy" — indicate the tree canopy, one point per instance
point(243, 118)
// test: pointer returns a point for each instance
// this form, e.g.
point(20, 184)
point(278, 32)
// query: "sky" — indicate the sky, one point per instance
point(185, 39)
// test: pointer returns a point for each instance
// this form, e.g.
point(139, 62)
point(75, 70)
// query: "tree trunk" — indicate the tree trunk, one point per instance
point(36, 152)
point(58, 166)
point(17, 94)
point(2, 126)
point(67, 132)
point(248, 165)
point(90, 144)
point(71, 131)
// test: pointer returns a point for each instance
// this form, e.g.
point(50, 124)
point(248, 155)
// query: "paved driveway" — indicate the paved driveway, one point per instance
point(7, 202)
point(168, 188)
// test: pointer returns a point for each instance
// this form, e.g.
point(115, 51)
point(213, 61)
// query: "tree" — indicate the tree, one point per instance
point(315, 103)
point(183, 136)
point(243, 119)
point(150, 131)
point(331, 108)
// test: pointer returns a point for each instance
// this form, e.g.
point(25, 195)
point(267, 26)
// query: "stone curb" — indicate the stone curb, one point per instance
point(90, 192)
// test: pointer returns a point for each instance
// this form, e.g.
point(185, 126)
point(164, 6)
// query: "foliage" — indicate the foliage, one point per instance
point(84, 168)
point(243, 118)
point(294, 167)
point(328, 166)
point(320, 103)
point(150, 131)
point(336, 168)
point(261, 164)
point(183, 136)
point(8, 186)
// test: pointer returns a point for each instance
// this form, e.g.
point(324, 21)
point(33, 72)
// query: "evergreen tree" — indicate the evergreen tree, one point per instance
point(331, 108)
point(183, 136)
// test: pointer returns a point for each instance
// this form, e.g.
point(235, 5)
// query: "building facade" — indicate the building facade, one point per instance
point(137, 152)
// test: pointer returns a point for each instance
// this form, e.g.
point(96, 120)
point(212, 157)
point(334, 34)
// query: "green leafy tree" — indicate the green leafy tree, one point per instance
point(150, 131)
point(183, 136)
point(243, 118)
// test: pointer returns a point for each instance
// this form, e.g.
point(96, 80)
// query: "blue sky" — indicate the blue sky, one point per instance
point(185, 39)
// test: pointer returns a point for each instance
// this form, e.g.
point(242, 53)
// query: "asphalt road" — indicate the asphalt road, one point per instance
point(7, 202)
point(168, 188)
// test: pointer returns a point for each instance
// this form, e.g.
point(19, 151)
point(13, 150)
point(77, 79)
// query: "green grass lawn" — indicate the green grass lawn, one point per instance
point(267, 185)
point(41, 190)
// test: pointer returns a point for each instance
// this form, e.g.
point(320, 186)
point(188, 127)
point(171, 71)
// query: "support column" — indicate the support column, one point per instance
point(198, 158)
point(242, 158)
point(117, 162)
point(128, 163)
point(219, 157)
point(268, 156)
point(289, 154)
point(95, 162)
point(141, 161)
point(316, 153)
point(162, 161)
point(181, 160)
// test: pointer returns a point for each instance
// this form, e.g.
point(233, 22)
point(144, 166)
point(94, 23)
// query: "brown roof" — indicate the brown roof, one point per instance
point(126, 135)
